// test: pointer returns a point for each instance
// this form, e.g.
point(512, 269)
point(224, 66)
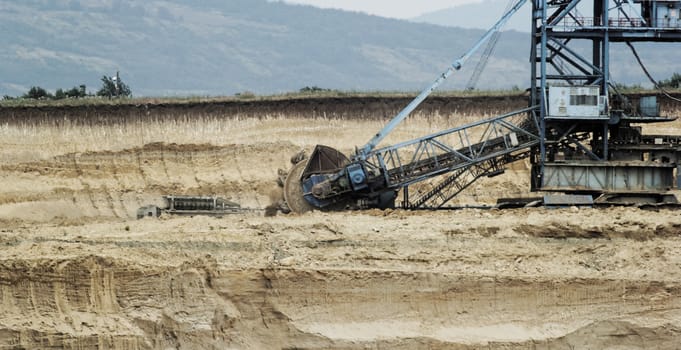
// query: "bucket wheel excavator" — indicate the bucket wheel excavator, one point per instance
point(581, 135)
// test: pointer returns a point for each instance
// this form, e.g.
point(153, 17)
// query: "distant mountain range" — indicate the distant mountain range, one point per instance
point(223, 47)
point(479, 15)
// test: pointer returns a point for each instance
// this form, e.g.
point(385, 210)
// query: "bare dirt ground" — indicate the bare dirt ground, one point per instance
point(77, 270)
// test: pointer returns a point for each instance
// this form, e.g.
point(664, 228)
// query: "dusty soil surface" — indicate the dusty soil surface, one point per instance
point(77, 270)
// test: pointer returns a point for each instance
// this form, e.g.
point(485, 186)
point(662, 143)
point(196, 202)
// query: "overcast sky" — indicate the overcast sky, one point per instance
point(386, 8)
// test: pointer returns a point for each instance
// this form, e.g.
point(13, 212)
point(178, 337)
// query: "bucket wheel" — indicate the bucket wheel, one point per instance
point(293, 190)
point(324, 160)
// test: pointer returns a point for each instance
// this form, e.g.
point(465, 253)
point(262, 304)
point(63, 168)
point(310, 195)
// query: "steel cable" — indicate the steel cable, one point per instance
point(652, 80)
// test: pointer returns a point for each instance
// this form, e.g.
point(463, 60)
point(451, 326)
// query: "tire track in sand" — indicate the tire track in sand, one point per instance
point(110, 201)
point(141, 171)
point(84, 184)
point(251, 184)
point(120, 189)
point(193, 165)
point(164, 162)
point(217, 163)
point(182, 155)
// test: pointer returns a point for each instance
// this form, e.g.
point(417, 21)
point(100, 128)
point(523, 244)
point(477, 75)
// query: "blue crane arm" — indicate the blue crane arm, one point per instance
point(363, 152)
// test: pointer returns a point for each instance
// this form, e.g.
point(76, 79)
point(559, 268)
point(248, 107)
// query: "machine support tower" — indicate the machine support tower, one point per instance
point(590, 134)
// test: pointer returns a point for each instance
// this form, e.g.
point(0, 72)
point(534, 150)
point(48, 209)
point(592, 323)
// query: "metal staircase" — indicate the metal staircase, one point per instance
point(440, 193)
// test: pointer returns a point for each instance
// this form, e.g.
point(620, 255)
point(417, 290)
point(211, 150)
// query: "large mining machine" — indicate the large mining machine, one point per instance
point(581, 135)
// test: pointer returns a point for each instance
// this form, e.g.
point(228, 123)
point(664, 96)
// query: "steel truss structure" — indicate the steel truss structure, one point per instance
point(580, 134)
point(571, 43)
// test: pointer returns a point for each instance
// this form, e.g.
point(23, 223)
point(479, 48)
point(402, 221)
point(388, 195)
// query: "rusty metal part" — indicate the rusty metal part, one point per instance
point(324, 160)
point(293, 190)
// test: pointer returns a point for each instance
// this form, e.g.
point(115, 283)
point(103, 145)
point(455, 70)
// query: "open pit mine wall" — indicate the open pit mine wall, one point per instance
point(308, 107)
point(94, 302)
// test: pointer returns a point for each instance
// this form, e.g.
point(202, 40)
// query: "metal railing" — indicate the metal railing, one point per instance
point(574, 22)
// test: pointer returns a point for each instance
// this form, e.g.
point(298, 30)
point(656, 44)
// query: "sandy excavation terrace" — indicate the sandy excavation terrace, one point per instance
point(77, 270)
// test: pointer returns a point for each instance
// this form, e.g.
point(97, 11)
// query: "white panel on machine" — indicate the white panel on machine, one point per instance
point(661, 13)
point(578, 102)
